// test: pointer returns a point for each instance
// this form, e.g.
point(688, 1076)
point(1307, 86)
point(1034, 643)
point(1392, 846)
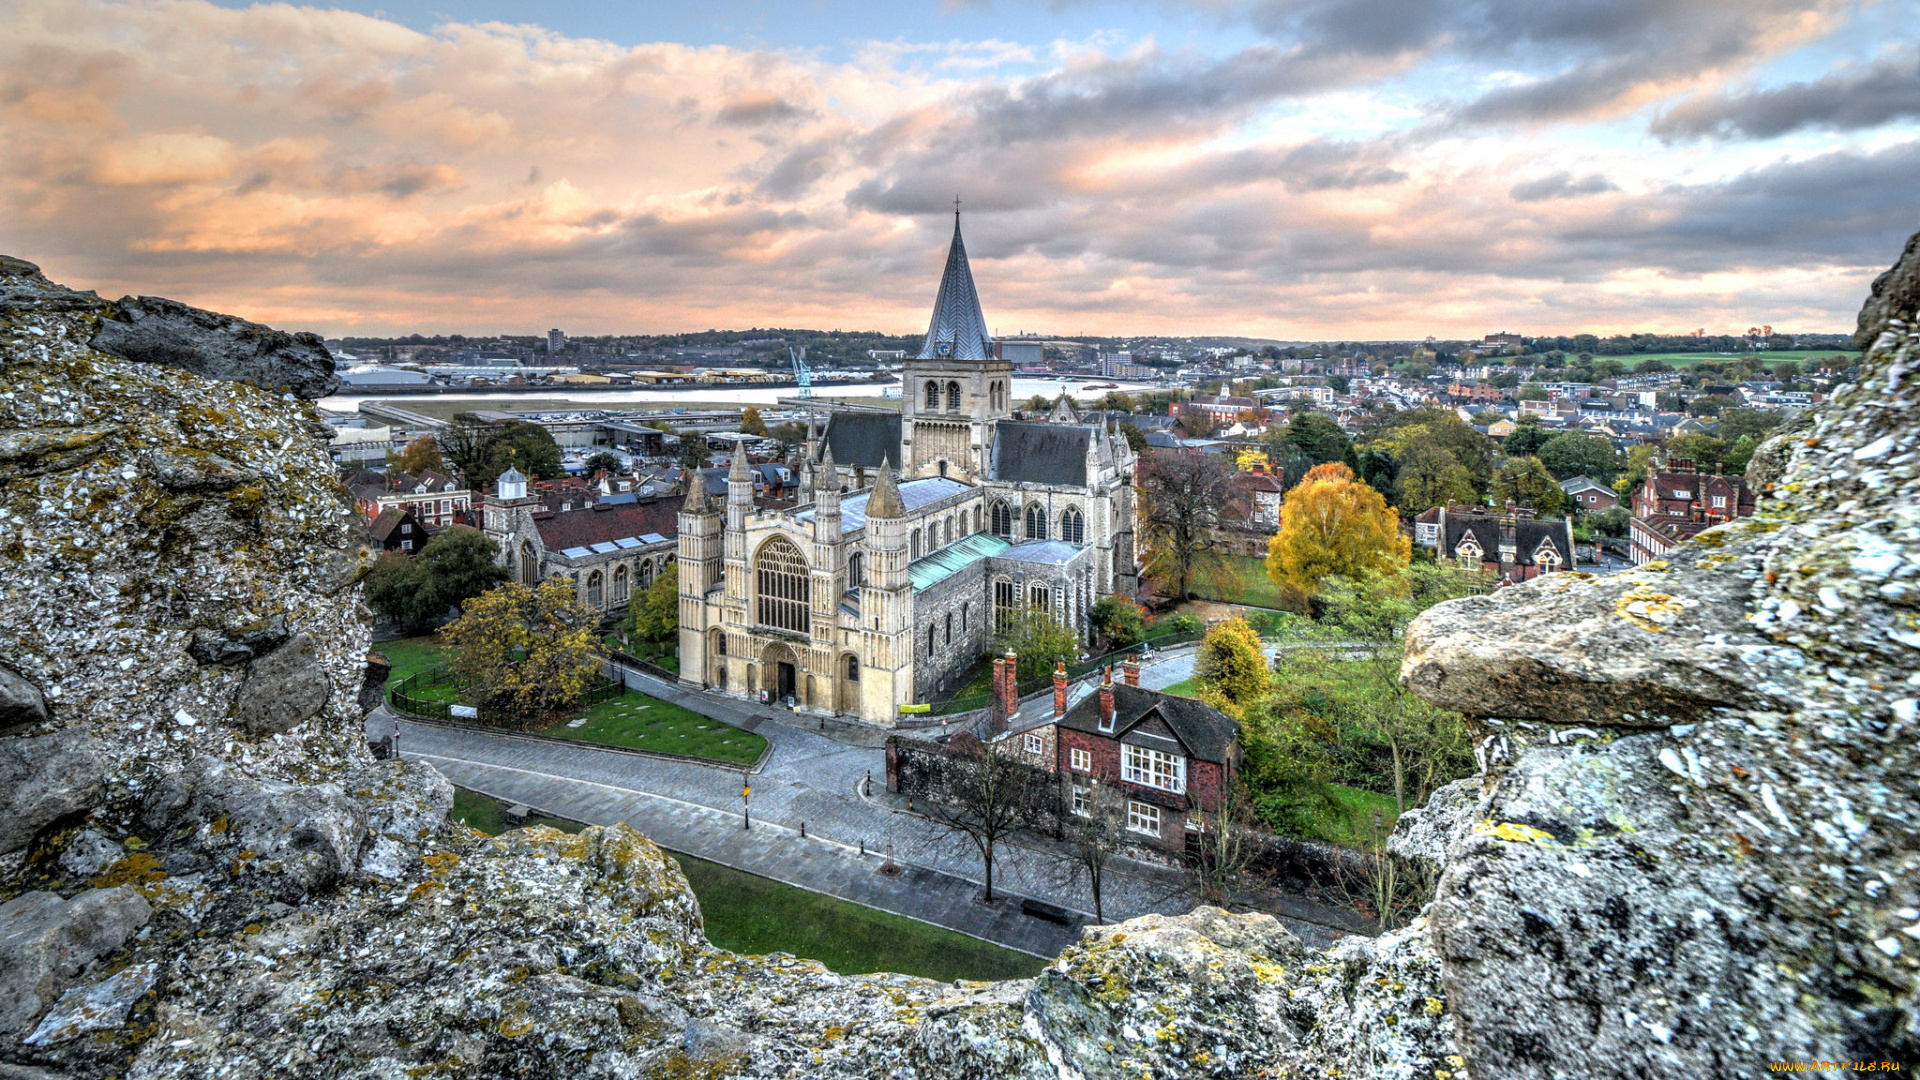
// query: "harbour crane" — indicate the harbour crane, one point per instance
point(802, 374)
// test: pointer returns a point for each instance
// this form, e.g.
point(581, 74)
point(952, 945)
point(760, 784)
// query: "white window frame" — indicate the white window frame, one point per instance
point(1143, 818)
point(1034, 744)
point(1719, 502)
point(1082, 802)
point(1153, 768)
point(1683, 493)
point(1080, 760)
point(406, 545)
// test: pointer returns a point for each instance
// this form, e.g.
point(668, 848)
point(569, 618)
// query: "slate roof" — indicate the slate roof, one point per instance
point(954, 558)
point(1206, 732)
point(1040, 453)
point(586, 527)
point(958, 329)
point(1045, 552)
point(913, 495)
point(864, 438)
point(1529, 534)
point(1578, 484)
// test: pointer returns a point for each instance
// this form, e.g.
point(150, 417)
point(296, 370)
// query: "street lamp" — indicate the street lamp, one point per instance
point(746, 810)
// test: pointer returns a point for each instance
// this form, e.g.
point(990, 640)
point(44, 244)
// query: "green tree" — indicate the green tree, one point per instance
point(416, 590)
point(1136, 439)
point(654, 614)
point(1610, 522)
point(1757, 423)
point(527, 447)
point(1531, 392)
point(1528, 483)
point(1639, 462)
point(1037, 638)
point(1573, 453)
point(1119, 620)
point(1428, 475)
point(527, 652)
point(1705, 450)
point(1317, 436)
point(1740, 454)
point(1526, 438)
point(604, 462)
point(1230, 668)
point(750, 422)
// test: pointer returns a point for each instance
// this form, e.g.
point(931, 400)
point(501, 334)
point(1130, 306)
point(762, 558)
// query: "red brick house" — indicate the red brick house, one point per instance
point(1678, 502)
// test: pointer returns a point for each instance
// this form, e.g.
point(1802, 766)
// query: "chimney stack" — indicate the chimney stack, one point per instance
point(997, 699)
point(1006, 690)
point(1130, 670)
point(1059, 689)
point(1106, 700)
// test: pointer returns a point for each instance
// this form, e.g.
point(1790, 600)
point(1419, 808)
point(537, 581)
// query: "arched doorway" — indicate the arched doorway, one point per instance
point(780, 674)
point(850, 685)
point(716, 658)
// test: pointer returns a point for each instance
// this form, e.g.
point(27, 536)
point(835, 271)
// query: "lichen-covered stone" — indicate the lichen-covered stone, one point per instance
point(151, 330)
point(1697, 845)
point(46, 942)
point(44, 778)
point(284, 688)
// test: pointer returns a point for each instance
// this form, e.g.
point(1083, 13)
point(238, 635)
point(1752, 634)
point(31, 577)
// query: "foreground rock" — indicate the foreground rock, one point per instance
point(1697, 844)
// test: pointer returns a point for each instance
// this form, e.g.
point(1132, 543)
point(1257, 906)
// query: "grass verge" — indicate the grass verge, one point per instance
point(749, 914)
point(647, 723)
point(409, 655)
point(753, 915)
point(1236, 579)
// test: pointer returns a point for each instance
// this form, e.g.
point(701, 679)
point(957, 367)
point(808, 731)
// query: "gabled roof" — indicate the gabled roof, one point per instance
point(1578, 484)
point(1207, 733)
point(958, 329)
point(913, 495)
point(389, 520)
point(864, 438)
point(585, 527)
point(1040, 453)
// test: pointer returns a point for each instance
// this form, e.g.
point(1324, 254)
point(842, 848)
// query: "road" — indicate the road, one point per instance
point(815, 821)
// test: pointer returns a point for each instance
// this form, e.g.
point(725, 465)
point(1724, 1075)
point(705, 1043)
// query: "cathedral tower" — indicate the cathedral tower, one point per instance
point(953, 391)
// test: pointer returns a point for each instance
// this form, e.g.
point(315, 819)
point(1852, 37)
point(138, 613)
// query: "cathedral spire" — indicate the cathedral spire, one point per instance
point(958, 329)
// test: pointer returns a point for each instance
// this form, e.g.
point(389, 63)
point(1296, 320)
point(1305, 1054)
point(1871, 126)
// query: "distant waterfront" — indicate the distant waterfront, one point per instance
point(1023, 388)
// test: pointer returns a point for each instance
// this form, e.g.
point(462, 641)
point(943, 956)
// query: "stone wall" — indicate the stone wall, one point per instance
point(933, 675)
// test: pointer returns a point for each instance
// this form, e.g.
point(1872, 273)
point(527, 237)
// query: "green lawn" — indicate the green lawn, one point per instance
point(1351, 822)
point(647, 723)
point(1687, 360)
point(749, 914)
point(409, 655)
point(1185, 688)
point(659, 653)
point(1238, 579)
point(752, 915)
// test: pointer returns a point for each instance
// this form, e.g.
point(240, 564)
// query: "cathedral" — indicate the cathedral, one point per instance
point(915, 531)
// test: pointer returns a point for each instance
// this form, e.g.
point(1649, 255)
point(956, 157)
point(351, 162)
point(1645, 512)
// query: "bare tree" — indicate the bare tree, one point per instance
point(990, 798)
point(1215, 861)
point(1096, 816)
point(1183, 500)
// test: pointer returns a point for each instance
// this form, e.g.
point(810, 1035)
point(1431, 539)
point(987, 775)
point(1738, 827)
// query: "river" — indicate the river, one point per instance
point(1023, 388)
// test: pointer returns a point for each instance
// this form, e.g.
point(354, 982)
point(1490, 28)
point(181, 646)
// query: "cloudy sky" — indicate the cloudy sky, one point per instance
point(1282, 168)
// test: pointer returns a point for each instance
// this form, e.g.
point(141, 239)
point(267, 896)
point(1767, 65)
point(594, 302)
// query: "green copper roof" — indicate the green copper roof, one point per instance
point(954, 558)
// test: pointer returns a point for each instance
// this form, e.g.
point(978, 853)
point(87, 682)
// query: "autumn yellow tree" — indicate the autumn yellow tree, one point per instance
point(1230, 668)
point(1332, 523)
point(526, 652)
point(421, 455)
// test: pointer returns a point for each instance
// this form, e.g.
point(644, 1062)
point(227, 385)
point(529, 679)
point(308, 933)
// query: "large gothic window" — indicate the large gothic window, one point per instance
point(529, 564)
point(1036, 523)
point(646, 572)
point(933, 396)
point(1002, 520)
point(856, 570)
point(620, 585)
point(593, 589)
point(914, 550)
point(1004, 598)
point(1073, 527)
point(953, 397)
point(781, 573)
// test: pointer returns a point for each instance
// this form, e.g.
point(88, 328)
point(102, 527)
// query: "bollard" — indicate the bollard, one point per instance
point(803, 830)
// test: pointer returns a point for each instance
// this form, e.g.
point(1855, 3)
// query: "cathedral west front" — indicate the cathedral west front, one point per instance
point(914, 532)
